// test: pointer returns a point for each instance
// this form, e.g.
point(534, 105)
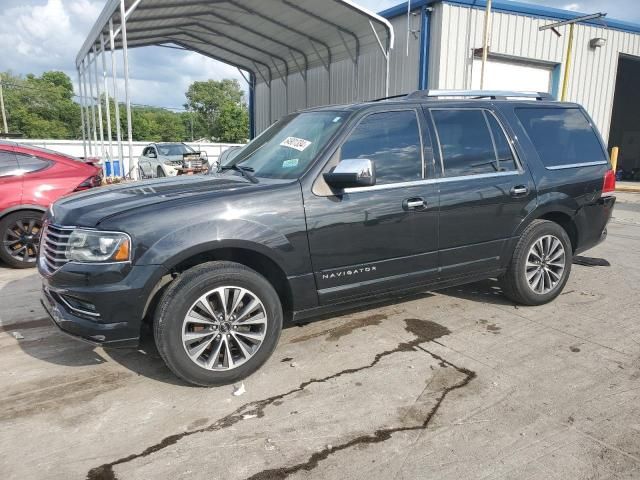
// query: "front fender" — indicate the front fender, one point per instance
point(178, 245)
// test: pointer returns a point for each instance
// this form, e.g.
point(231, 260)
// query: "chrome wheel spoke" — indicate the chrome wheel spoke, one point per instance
point(196, 352)
point(238, 296)
point(251, 335)
point(191, 336)
point(194, 317)
point(212, 339)
point(247, 309)
point(228, 356)
point(203, 301)
point(258, 319)
point(242, 346)
point(215, 355)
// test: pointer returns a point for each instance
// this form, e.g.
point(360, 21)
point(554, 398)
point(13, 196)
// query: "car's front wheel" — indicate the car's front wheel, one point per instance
point(20, 234)
point(217, 323)
point(540, 266)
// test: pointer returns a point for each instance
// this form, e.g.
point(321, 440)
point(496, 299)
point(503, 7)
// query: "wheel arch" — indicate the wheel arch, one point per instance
point(249, 255)
point(19, 208)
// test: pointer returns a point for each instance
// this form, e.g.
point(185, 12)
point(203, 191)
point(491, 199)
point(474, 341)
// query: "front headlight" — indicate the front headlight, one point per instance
point(97, 246)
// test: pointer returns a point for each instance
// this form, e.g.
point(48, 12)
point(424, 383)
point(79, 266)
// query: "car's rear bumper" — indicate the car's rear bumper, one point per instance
point(592, 223)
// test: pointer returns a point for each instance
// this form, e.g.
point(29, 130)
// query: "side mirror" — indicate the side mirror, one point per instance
point(352, 172)
point(152, 154)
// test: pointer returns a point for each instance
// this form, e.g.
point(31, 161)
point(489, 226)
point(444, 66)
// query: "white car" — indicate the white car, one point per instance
point(164, 159)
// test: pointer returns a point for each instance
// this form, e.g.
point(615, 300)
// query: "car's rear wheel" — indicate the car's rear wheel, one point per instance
point(217, 323)
point(20, 233)
point(540, 265)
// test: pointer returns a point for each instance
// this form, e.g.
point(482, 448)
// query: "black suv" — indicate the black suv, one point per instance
point(329, 208)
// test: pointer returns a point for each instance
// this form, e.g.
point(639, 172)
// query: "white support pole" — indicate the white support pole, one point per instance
point(115, 98)
point(106, 95)
point(85, 101)
point(4, 115)
point(385, 54)
point(132, 168)
point(93, 109)
point(98, 101)
point(81, 96)
point(485, 41)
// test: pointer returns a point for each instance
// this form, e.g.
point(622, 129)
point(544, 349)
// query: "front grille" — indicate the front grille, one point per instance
point(53, 245)
point(196, 163)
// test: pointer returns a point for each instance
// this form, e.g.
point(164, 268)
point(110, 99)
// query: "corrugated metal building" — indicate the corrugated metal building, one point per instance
point(437, 46)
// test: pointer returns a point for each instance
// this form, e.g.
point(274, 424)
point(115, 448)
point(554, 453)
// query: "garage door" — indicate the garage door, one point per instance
point(518, 76)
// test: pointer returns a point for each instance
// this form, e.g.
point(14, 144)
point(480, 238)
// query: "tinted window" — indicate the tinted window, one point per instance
point(562, 136)
point(468, 146)
point(504, 155)
point(392, 141)
point(8, 164)
point(29, 163)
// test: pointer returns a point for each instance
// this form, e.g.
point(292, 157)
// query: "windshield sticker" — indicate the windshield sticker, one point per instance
point(296, 143)
point(292, 162)
point(337, 119)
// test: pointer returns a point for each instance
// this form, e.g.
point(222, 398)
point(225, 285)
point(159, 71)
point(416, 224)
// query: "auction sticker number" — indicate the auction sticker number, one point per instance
point(296, 143)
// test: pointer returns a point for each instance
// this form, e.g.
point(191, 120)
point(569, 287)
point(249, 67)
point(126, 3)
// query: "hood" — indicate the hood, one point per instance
point(89, 208)
point(170, 158)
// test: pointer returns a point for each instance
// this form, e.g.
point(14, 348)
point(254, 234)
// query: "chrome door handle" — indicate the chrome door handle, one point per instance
point(414, 204)
point(519, 190)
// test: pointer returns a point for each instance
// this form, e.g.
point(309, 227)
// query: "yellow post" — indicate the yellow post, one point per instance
point(567, 64)
point(614, 158)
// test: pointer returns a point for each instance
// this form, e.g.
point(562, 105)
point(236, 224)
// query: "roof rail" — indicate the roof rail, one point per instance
point(492, 94)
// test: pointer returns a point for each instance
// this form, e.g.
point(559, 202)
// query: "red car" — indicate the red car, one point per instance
point(31, 179)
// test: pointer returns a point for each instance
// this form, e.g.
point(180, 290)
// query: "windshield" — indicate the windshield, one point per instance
point(170, 149)
point(287, 148)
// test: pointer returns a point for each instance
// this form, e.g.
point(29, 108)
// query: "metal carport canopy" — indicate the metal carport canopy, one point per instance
point(271, 39)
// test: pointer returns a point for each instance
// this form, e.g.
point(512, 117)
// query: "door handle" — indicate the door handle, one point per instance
point(416, 203)
point(519, 190)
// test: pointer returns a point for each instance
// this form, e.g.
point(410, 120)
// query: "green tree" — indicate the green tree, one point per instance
point(41, 107)
point(221, 109)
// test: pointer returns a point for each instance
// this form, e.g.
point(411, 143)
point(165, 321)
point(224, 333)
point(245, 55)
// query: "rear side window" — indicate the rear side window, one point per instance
point(561, 136)
point(29, 163)
point(8, 164)
point(392, 141)
point(471, 143)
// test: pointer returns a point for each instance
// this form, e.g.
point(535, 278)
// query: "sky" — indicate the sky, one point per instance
point(41, 35)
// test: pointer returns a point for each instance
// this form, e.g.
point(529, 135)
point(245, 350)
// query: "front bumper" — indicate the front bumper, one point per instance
point(108, 314)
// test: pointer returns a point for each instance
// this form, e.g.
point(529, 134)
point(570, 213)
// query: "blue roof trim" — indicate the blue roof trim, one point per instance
point(517, 7)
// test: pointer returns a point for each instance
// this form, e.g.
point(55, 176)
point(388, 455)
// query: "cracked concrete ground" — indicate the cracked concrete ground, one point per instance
point(452, 384)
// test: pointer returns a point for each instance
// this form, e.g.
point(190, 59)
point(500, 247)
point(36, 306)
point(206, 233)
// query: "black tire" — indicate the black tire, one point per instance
point(181, 295)
point(514, 282)
point(160, 173)
point(20, 238)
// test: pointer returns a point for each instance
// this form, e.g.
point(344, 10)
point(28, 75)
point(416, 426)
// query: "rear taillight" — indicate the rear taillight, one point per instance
point(609, 186)
point(93, 181)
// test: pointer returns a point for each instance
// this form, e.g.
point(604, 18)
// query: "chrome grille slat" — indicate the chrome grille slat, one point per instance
point(53, 246)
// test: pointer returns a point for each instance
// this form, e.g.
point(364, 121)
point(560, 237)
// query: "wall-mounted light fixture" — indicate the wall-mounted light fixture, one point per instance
point(597, 42)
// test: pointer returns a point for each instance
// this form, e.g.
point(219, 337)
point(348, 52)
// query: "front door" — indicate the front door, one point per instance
point(485, 192)
point(373, 239)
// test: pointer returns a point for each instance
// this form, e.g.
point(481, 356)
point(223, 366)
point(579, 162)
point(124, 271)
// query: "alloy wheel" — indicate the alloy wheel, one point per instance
point(224, 328)
point(21, 240)
point(545, 264)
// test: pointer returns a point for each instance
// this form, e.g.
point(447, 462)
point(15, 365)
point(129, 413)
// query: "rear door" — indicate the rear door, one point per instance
point(485, 191)
point(10, 179)
point(377, 238)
